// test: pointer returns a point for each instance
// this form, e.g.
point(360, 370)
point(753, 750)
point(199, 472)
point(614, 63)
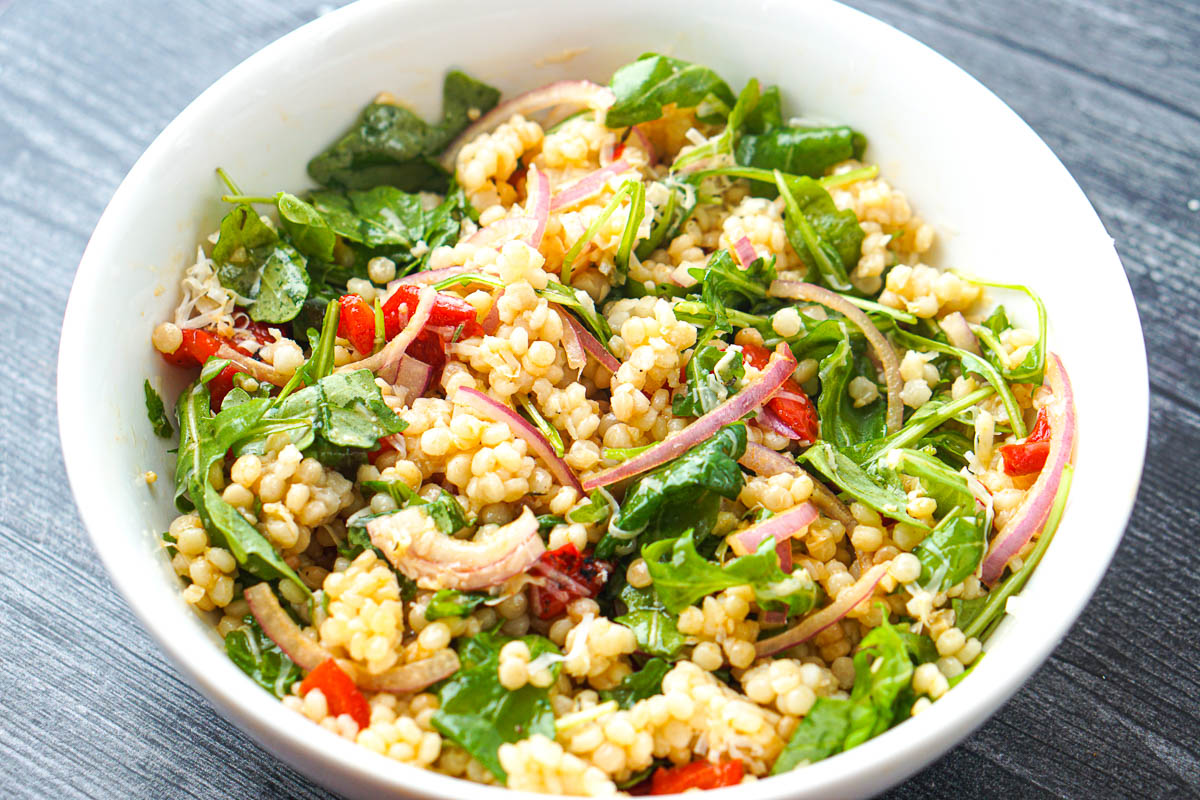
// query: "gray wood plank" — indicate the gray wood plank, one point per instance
point(95, 710)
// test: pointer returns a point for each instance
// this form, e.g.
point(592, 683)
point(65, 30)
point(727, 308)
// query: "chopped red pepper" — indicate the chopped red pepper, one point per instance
point(696, 775)
point(449, 310)
point(357, 323)
point(790, 403)
point(618, 150)
point(1029, 456)
point(195, 349)
point(341, 695)
point(567, 575)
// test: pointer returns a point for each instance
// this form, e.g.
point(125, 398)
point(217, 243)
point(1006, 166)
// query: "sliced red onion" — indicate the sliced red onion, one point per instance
point(769, 420)
point(412, 378)
point(280, 628)
point(645, 143)
point(590, 343)
point(264, 373)
point(413, 677)
point(437, 561)
point(606, 154)
point(577, 93)
point(813, 624)
point(538, 205)
point(782, 527)
point(766, 462)
point(798, 290)
point(958, 333)
point(498, 412)
point(774, 618)
point(588, 185)
point(1032, 513)
point(744, 250)
point(503, 230)
point(576, 355)
point(386, 362)
point(491, 321)
point(774, 375)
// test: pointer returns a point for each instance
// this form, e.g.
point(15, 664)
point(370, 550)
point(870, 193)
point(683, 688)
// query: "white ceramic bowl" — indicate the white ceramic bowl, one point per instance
point(1003, 205)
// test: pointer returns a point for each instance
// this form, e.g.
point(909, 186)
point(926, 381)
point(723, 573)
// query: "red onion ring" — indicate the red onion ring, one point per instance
point(576, 93)
point(503, 229)
point(959, 334)
point(744, 250)
point(1032, 513)
point(498, 412)
point(798, 290)
point(769, 420)
point(281, 630)
point(766, 462)
point(810, 626)
point(435, 560)
point(774, 375)
point(782, 527)
point(491, 320)
point(576, 355)
point(590, 343)
point(539, 206)
point(588, 185)
point(412, 377)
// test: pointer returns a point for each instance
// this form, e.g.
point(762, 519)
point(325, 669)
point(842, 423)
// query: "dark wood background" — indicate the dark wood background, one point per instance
point(93, 710)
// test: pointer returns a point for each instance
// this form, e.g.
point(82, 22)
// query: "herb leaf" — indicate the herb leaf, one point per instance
point(479, 714)
point(646, 682)
point(712, 376)
point(655, 628)
point(645, 86)
point(841, 423)
point(688, 576)
point(453, 603)
point(800, 150)
point(256, 655)
point(889, 499)
point(157, 413)
point(952, 550)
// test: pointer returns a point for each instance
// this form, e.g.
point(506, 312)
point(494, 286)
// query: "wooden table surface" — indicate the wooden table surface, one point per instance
point(93, 709)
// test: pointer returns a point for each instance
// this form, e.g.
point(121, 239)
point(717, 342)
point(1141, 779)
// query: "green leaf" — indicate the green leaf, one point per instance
point(1032, 367)
point(655, 628)
point(599, 508)
point(807, 204)
point(952, 550)
point(283, 285)
point(681, 494)
point(241, 233)
point(819, 735)
point(479, 714)
point(305, 227)
point(800, 150)
point(841, 423)
point(256, 655)
point(542, 424)
point(390, 145)
point(645, 682)
point(944, 484)
point(453, 603)
point(670, 217)
point(447, 514)
point(157, 413)
point(723, 144)
point(713, 375)
point(687, 576)
point(844, 472)
point(723, 283)
point(352, 411)
point(645, 86)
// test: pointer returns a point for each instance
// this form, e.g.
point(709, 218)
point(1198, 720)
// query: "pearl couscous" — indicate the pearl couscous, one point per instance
point(637, 449)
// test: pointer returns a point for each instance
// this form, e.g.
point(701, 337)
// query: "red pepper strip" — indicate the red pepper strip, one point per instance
point(448, 310)
point(341, 695)
point(790, 403)
point(567, 575)
point(1029, 457)
point(357, 323)
point(195, 349)
point(696, 775)
point(618, 150)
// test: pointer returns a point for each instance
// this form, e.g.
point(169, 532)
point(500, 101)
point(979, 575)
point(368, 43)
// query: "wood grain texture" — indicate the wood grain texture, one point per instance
point(1113, 86)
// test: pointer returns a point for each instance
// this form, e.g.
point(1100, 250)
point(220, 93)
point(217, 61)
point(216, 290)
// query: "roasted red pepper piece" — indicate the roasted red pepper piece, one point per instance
point(566, 575)
point(448, 311)
point(195, 349)
point(790, 403)
point(1029, 456)
point(341, 695)
point(356, 322)
point(696, 775)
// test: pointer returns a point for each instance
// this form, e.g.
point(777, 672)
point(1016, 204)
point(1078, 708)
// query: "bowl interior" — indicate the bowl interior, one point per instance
point(1002, 204)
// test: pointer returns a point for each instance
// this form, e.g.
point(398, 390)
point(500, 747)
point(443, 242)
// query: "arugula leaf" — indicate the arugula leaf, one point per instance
point(670, 217)
point(723, 144)
point(889, 499)
point(581, 303)
point(943, 484)
point(390, 145)
point(253, 262)
point(305, 227)
point(352, 410)
point(447, 514)
point(479, 714)
point(712, 376)
point(241, 233)
point(655, 628)
point(1031, 368)
point(952, 550)
point(157, 413)
point(800, 150)
point(453, 603)
point(820, 254)
point(256, 655)
point(684, 493)
point(599, 508)
point(881, 697)
point(542, 424)
point(283, 285)
point(688, 576)
point(646, 682)
point(724, 285)
point(645, 86)
point(841, 423)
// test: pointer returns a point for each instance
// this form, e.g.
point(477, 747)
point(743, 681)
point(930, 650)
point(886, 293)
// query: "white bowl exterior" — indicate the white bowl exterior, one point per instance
point(1003, 205)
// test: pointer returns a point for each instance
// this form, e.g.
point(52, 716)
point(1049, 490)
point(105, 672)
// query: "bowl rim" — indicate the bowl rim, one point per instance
point(324, 756)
